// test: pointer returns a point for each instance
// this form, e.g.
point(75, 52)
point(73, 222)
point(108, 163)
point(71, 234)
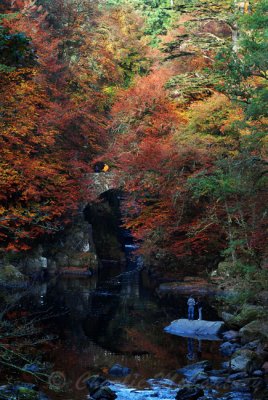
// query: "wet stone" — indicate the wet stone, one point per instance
point(228, 348)
point(218, 372)
point(217, 380)
point(258, 372)
point(238, 375)
point(190, 371)
point(248, 384)
point(95, 382)
point(199, 377)
point(104, 393)
point(119, 370)
point(252, 345)
point(189, 393)
point(236, 396)
point(225, 365)
point(230, 335)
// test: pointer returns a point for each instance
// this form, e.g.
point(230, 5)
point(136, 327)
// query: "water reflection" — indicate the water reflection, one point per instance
point(111, 318)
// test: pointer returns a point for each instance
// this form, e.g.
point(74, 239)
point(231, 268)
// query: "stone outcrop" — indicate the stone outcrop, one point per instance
point(196, 329)
point(10, 276)
point(253, 330)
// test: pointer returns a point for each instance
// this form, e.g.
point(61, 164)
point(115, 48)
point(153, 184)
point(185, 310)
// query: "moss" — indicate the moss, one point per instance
point(25, 393)
point(9, 273)
point(248, 314)
point(254, 330)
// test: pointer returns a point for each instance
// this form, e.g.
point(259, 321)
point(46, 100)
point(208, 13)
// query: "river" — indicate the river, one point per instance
point(115, 317)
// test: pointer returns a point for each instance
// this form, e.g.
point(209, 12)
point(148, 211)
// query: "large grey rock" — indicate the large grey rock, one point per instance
point(245, 360)
point(227, 348)
point(254, 330)
point(208, 330)
point(196, 372)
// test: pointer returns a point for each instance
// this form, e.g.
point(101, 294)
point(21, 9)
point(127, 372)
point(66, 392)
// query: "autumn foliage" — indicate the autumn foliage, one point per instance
point(175, 105)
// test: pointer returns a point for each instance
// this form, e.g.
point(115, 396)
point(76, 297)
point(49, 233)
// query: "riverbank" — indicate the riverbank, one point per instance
point(244, 374)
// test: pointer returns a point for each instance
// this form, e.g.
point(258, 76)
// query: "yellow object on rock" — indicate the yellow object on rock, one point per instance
point(105, 168)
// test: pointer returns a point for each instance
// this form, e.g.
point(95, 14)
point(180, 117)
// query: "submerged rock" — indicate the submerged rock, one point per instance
point(208, 330)
point(119, 370)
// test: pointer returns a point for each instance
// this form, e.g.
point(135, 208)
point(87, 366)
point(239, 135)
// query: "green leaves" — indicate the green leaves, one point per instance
point(15, 50)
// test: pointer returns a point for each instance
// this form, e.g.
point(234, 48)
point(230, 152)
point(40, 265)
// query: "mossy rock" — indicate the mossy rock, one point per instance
point(25, 393)
point(245, 360)
point(21, 391)
point(254, 330)
point(11, 274)
point(83, 259)
point(247, 314)
point(224, 268)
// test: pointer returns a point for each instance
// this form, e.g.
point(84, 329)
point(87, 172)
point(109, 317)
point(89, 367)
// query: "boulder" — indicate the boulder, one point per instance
point(217, 380)
point(227, 317)
point(95, 382)
point(119, 370)
point(247, 314)
point(198, 378)
point(251, 384)
point(230, 335)
point(252, 345)
point(98, 388)
point(237, 375)
point(207, 330)
point(189, 393)
point(227, 348)
point(254, 330)
point(191, 371)
point(218, 28)
point(11, 276)
point(245, 360)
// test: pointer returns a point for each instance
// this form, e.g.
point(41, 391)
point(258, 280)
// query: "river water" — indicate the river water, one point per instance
point(115, 317)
